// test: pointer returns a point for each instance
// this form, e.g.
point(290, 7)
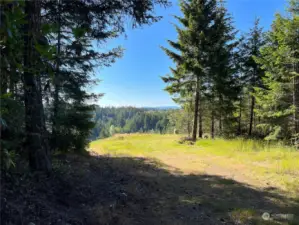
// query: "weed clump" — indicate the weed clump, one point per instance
point(186, 140)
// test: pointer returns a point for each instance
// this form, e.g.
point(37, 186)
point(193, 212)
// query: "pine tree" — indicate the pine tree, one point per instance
point(49, 63)
point(293, 41)
point(191, 47)
point(73, 27)
point(36, 141)
point(222, 87)
point(278, 99)
point(11, 91)
point(252, 72)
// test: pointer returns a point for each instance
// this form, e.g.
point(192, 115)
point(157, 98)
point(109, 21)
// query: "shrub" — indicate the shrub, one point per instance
point(186, 140)
point(206, 136)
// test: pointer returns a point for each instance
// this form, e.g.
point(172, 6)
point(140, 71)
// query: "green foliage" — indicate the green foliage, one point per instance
point(12, 118)
point(128, 120)
point(112, 130)
point(223, 86)
point(247, 86)
point(8, 159)
point(75, 61)
point(47, 67)
point(206, 70)
point(277, 102)
point(251, 72)
point(181, 121)
point(75, 122)
point(274, 134)
point(187, 81)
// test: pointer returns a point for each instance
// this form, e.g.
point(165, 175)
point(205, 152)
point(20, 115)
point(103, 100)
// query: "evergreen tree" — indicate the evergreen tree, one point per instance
point(75, 24)
point(36, 141)
point(12, 113)
point(278, 99)
point(252, 71)
point(112, 130)
point(190, 51)
point(49, 63)
point(223, 85)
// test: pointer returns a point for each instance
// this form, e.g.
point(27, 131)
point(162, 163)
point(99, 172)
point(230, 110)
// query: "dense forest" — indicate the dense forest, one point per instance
point(111, 120)
point(236, 84)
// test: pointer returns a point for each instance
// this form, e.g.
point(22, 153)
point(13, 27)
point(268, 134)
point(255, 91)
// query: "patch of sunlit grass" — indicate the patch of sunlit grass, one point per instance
point(262, 160)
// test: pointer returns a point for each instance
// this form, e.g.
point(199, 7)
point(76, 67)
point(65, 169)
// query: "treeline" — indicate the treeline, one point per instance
point(111, 120)
point(47, 64)
point(233, 84)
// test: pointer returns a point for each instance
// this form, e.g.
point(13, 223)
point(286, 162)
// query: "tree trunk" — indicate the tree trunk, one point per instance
point(4, 83)
point(12, 83)
point(220, 123)
point(200, 132)
point(195, 119)
point(220, 113)
point(189, 128)
point(296, 104)
point(251, 115)
point(56, 82)
point(34, 112)
point(212, 125)
point(240, 118)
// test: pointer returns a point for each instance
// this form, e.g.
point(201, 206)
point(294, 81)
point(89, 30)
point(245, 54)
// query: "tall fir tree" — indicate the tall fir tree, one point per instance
point(222, 86)
point(251, 70)
point(36, 140)
point(49, 53)
point(278, 99)
point(190, 53)
point(73, 32)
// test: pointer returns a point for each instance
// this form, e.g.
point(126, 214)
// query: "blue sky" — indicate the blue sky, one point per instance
point(134, 80)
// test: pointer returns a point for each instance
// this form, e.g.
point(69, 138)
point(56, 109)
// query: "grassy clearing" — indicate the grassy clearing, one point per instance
point(264, 164)
point(276, 165)
point(152, 179)
point(220, 180)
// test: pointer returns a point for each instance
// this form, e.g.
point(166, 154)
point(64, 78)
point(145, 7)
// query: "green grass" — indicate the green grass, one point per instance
point(274, 164)
point(233, 178)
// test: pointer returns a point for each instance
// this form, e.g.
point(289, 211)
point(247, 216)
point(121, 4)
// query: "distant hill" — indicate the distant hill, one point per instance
point(162, 107)
point(110, 120)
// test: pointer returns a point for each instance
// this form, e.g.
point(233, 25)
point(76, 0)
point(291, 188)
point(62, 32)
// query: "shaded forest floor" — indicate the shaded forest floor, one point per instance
point(150, 179)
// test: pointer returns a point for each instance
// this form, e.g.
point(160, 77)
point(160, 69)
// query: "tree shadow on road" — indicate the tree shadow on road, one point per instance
point(125, 190)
